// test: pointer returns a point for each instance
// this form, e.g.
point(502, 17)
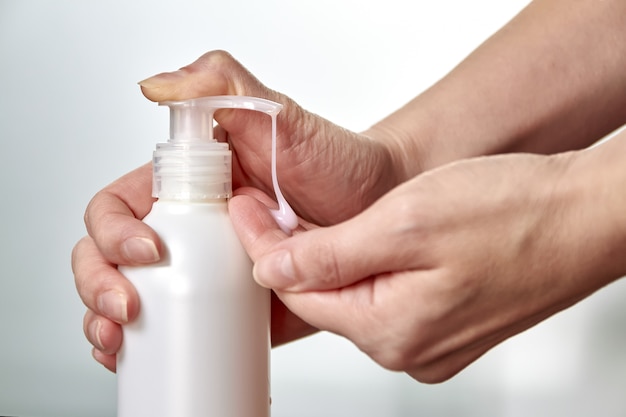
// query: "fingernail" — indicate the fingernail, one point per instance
point(161, 79)
point(114, 305)
point(275, 270)
point(94, 330)
point(140, 250)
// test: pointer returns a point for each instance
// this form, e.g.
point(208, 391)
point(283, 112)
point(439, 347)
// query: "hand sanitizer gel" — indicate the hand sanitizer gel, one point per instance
point(200, 345)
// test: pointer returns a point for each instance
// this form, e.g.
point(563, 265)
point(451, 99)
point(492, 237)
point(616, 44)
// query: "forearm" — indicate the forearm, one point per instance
point(552, 79)
point(595, 237)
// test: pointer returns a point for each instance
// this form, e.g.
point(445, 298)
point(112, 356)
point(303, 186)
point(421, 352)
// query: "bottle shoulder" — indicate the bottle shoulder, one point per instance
point(196, 234)
point(182, 224)
point(165, 213)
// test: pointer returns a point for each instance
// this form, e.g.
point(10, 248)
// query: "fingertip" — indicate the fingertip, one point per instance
point(114, 305)
point(108, 361)
point(102, 286)
point(321, 259)
point(93, 332)
point(276, 271)
point(160, 86)
point(254, 224)
point(113, 219)
point(209, 75)
point(140, 250)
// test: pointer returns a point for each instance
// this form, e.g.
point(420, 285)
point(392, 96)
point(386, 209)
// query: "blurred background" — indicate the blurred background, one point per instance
point(72, 119)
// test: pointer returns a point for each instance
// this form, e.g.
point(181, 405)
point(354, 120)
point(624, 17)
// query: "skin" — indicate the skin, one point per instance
point(473, 213)
point(307, 143)
point(444, 280)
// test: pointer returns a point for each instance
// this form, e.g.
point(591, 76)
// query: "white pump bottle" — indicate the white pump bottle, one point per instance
point(200, 346)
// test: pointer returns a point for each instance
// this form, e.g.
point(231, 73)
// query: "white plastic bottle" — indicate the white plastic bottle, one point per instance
point(200, 346)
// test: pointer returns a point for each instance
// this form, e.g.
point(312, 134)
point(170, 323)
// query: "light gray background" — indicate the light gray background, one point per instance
point(72, 119)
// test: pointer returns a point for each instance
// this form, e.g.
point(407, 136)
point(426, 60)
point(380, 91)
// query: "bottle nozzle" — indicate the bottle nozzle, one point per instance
point(192, 120)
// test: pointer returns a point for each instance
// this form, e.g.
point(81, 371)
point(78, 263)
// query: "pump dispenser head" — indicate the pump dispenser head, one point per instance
point(192, 165)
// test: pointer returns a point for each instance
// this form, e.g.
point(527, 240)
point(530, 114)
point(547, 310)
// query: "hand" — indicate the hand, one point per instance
point(328, 174)
point(451, 263)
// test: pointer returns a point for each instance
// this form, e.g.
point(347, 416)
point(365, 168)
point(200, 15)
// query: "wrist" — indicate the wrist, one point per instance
point(596, 180)
point(408, 152)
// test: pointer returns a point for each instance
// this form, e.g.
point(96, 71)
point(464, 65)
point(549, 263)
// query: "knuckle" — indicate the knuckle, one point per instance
point(215, 62)
point(222, 72)
point(77, 252)
point(432, 373)
point(403, 359)
point(420, 360)
point(393, 359)
point(217, 57)
point(87, 216)
point(395, 344)
point(88, 327)
point(392, 347)
point(93, 211)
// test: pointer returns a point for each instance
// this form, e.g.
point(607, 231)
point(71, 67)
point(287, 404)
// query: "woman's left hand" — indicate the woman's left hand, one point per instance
point(449, 264)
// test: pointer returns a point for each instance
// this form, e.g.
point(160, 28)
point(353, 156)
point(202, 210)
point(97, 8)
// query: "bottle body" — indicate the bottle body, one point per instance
point(200, 345)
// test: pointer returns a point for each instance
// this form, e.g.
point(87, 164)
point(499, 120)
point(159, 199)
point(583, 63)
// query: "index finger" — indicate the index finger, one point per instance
point(113, 220)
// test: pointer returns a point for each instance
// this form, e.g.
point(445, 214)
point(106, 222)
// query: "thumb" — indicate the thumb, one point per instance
point(331, 257)
point(219, 73)
point(214, 73)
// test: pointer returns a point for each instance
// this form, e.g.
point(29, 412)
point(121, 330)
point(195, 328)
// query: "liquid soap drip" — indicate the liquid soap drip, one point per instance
point(284, 215)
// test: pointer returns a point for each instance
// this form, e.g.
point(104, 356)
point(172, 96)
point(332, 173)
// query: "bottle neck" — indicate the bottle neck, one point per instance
point(192, 171)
